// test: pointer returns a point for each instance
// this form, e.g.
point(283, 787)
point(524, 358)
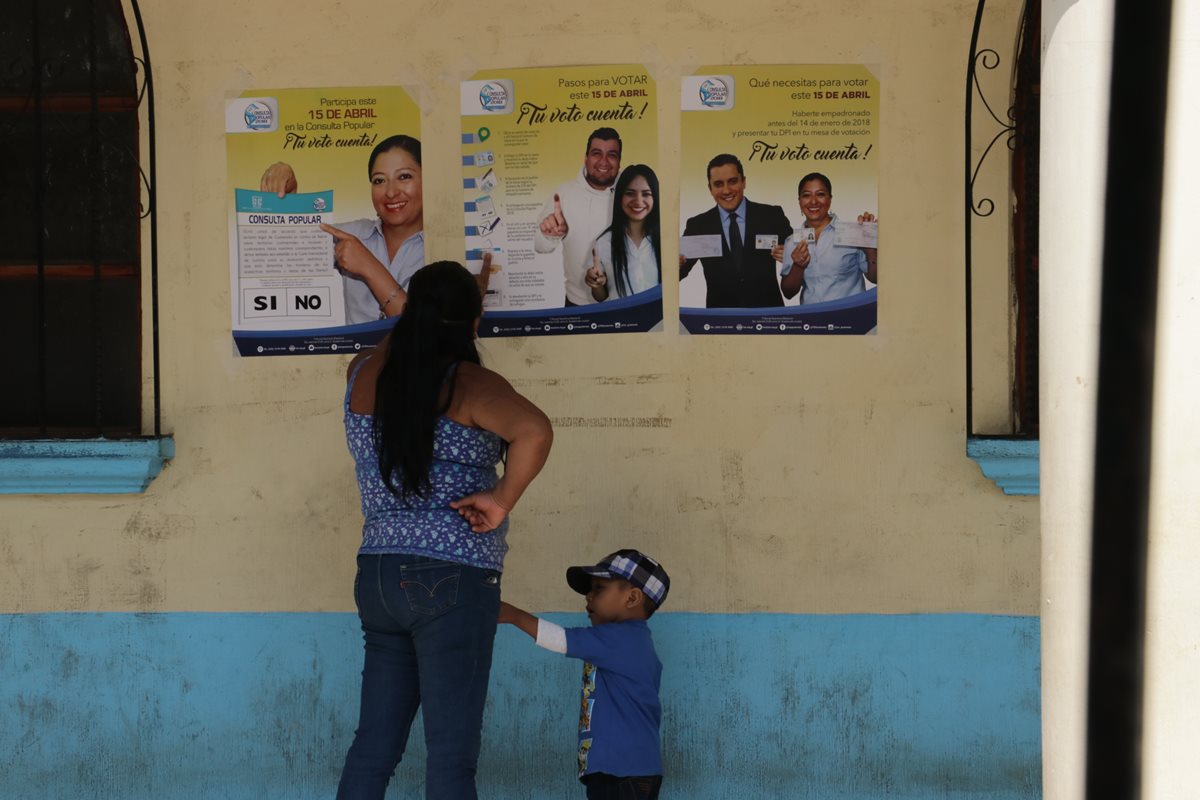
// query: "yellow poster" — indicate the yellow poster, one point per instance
point(779, 200)
point(560, 185)
point(310, 169)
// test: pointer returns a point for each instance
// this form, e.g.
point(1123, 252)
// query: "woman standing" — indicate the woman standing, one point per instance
point(625, 258)
point(426, 425)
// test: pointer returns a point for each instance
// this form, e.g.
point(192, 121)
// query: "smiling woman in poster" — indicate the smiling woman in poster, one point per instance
point(819, 263)
point(395, 238)
point(625, 258)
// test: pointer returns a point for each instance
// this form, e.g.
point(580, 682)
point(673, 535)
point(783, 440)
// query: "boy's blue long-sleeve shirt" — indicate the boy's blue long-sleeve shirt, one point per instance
point(620, 713)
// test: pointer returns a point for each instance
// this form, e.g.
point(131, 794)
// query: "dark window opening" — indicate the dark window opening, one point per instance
point(70, 262)
point(1025, 164)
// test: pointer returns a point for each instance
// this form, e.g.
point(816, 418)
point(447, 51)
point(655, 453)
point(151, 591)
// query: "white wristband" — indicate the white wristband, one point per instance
point(552, 637)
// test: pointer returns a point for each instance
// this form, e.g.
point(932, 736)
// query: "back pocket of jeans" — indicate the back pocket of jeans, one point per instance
point(432, 593)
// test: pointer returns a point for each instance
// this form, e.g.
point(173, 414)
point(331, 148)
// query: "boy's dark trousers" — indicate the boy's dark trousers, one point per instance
point(601, 786)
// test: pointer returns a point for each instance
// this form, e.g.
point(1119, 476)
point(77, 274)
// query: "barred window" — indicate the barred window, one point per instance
point(70, 261)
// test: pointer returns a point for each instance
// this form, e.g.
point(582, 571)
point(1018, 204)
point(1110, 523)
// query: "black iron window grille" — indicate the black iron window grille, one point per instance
point(74, 95)
point(1017, 128)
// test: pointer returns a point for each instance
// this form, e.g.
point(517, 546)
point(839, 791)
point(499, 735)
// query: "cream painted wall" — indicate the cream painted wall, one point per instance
point(769, 474)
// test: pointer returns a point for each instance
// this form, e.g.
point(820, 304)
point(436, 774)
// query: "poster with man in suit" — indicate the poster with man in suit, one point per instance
point(735, 275)
point(763, 249)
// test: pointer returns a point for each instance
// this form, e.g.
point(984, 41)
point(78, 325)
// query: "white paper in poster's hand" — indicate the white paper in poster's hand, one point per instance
point(284, 262)
point(858, 234)
point(706, 246)
point(765, 241)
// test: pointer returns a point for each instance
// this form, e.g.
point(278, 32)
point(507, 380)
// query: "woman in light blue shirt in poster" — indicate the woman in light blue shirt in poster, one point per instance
point(377, 257)
point(829, 270)
point(625, 258)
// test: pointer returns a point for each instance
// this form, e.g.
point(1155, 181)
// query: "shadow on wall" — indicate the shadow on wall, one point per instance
point(756, 706)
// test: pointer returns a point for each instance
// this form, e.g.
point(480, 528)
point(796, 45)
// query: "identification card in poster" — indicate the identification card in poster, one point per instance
point(778, 200)
point(560, 186)
point(319, 231)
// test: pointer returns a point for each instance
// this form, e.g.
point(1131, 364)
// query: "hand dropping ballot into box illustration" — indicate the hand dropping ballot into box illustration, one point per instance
point(326, 220)
point(285, 261)
point(556, 187)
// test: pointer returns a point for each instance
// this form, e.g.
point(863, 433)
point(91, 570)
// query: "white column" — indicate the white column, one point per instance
point(1076, 40)
point(1172, 712)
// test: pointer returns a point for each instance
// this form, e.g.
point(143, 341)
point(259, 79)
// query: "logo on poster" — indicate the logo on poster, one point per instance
point(493, 97)
point(319, 204)
point(713, 93)
point(258, 117)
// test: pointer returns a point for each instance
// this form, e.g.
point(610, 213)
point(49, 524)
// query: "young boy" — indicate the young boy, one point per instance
point(619, 757)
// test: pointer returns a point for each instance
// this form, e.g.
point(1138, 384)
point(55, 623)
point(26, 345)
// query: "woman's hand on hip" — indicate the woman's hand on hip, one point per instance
point(481, 510)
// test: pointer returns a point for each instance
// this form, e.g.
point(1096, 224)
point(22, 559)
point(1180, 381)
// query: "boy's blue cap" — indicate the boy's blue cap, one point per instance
point(638, 568)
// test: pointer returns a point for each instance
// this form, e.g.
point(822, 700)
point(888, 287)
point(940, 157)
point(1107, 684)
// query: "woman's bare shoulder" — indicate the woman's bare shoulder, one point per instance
point(354, 364)
point(379, 349)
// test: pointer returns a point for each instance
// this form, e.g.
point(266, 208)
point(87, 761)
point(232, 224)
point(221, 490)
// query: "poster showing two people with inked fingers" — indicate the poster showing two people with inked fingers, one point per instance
point(326, 216)
point(560, 186)
point(779, 200)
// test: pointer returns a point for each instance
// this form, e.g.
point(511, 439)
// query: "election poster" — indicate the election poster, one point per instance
point(778, 213)
point(309, 170)
point(560, 186)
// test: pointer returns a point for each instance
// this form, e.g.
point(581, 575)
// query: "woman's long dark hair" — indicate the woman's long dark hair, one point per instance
point(432, 335)
point(400, 141)
point(620, 260)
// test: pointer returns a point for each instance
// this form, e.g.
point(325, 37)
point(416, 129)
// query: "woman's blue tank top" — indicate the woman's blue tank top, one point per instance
point(464, 461)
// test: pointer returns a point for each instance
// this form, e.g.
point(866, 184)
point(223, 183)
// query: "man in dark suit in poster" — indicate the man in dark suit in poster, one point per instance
point(744, 275)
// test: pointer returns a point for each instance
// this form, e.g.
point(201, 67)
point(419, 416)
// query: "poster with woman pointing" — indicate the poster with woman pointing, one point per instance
point(326, 216)
point(779, 201)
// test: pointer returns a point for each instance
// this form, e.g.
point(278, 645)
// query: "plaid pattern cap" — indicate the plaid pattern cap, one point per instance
point(638, 568)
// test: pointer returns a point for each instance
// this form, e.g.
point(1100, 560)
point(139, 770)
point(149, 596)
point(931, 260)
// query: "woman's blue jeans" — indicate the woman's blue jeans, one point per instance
point(428, 628)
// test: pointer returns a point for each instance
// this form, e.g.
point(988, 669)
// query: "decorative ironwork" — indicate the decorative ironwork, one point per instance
point(988, 59)
point(146, 92)
point(143, 72)
point(1019, 128)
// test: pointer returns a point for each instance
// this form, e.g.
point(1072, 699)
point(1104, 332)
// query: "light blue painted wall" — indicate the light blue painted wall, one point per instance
point(773, 706)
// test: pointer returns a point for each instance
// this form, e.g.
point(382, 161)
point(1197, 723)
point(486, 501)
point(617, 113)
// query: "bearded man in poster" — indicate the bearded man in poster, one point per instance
point(579, 211)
